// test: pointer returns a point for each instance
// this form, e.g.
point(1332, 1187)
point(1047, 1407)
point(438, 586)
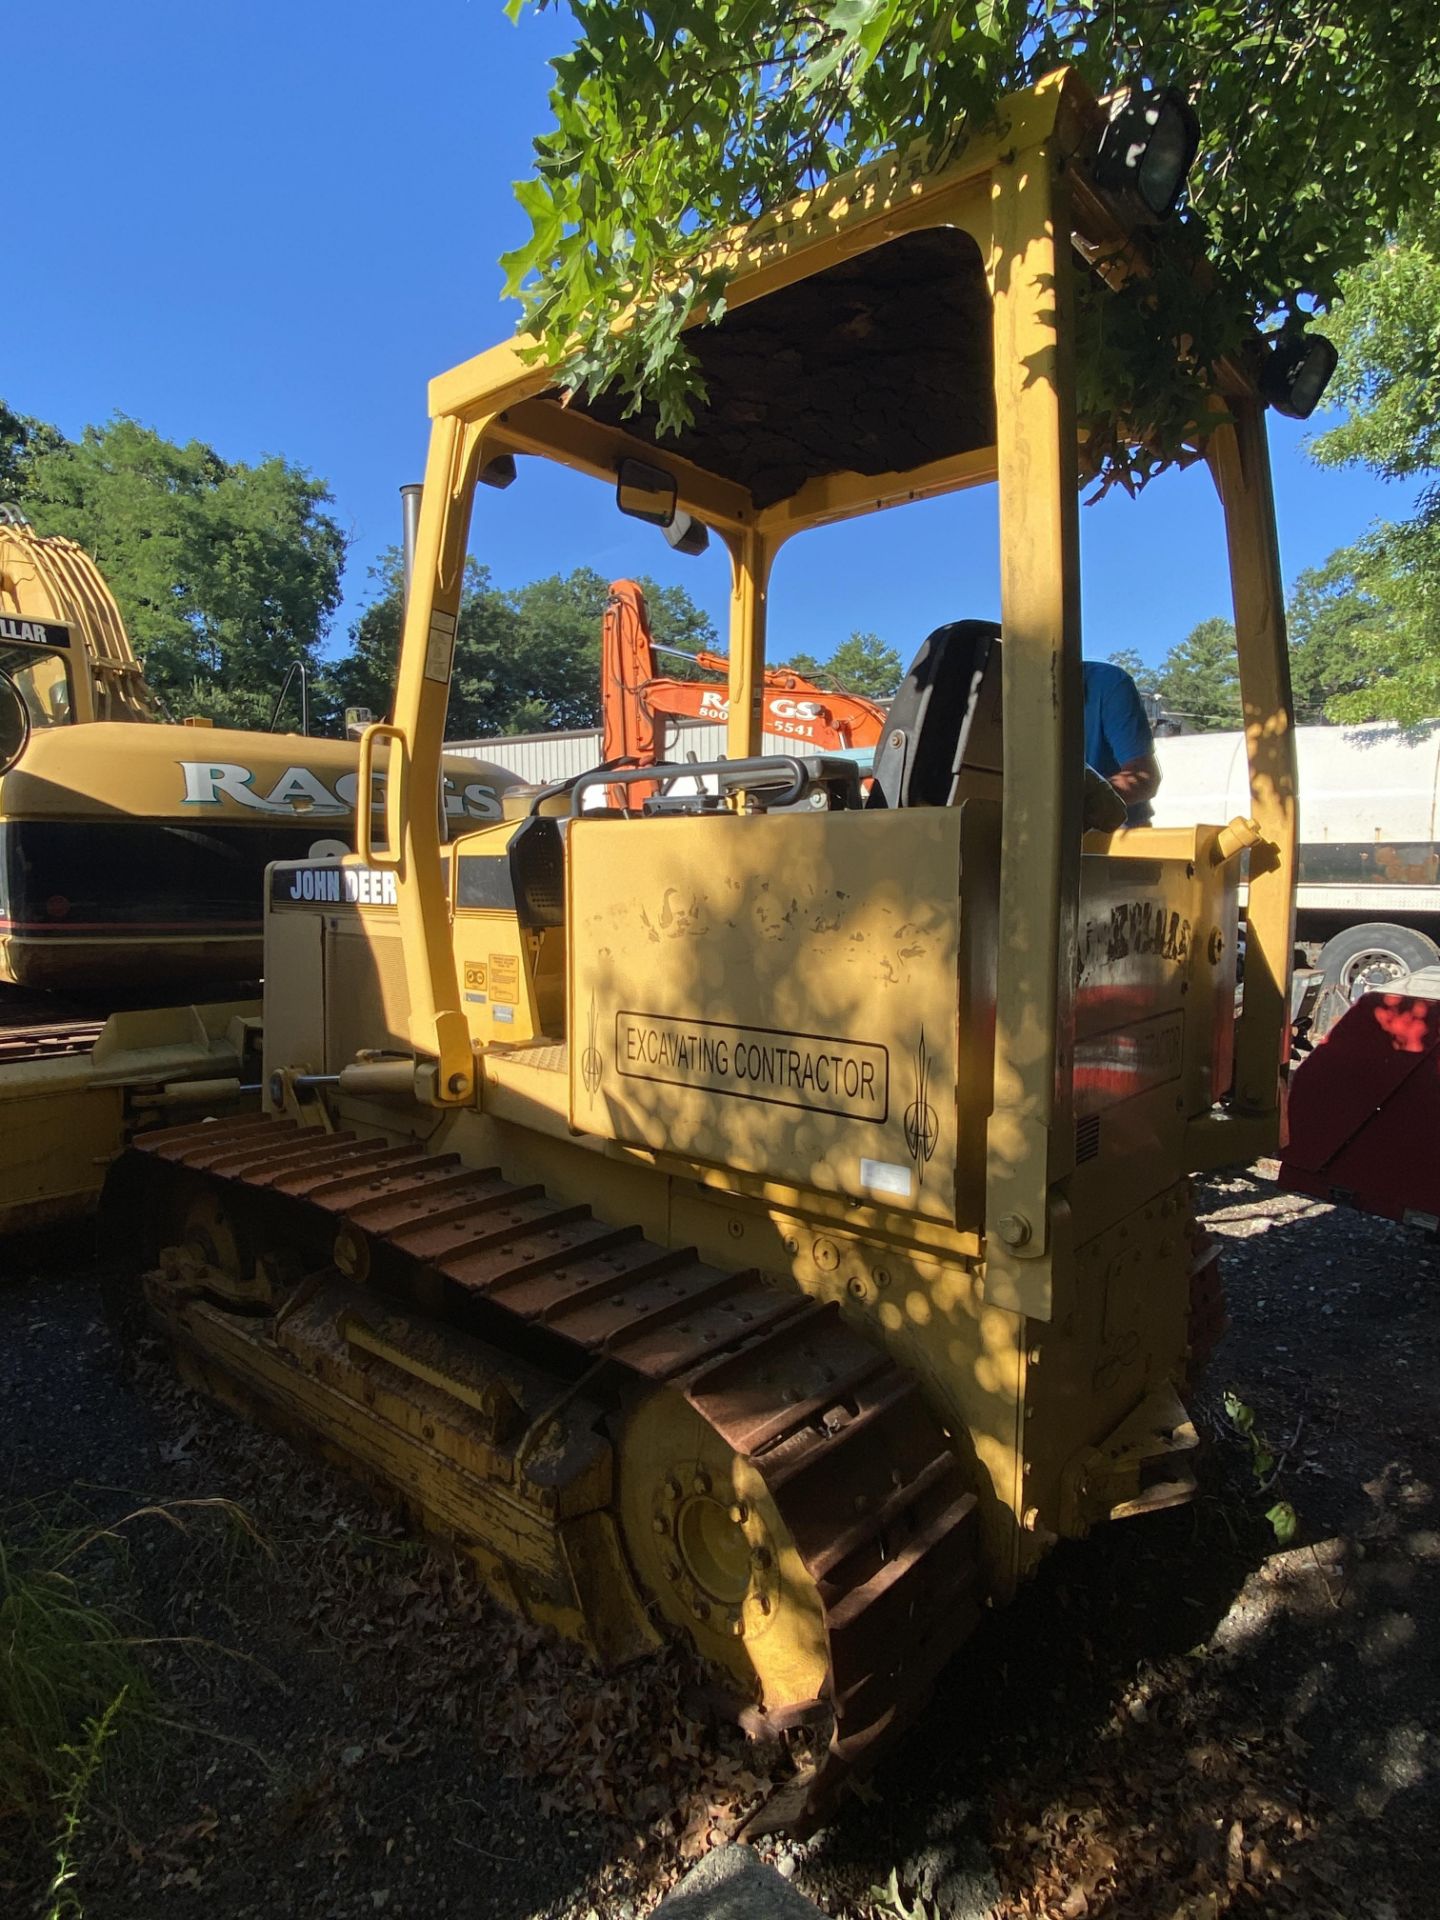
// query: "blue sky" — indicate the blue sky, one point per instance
point(265, 226)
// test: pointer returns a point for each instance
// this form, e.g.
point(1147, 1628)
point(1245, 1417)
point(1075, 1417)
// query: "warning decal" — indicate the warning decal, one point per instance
point(505, 978)
point(814, 1071)
point(440, 647)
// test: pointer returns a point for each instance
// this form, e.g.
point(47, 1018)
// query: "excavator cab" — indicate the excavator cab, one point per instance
point(768, 1223)
point(37, 676)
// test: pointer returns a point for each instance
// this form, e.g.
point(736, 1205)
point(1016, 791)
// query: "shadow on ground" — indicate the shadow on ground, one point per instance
point(1177, 1716)
point(1176, 1719)
point(317, 1751)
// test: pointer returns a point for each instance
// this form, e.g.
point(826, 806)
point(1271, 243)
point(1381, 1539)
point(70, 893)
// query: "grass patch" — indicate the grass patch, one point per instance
point(67, 1655)
point(72, 1680)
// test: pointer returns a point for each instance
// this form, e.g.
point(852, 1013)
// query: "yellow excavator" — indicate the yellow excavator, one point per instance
point(132, 859)
point(132, 850)
point(751, 1214)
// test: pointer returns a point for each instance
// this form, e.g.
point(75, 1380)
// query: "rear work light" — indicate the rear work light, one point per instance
point(1296, 373)
point(1148, 147)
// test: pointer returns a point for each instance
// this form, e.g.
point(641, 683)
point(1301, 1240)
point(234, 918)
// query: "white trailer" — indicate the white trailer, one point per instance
point(1368, 900)
point(541, 757)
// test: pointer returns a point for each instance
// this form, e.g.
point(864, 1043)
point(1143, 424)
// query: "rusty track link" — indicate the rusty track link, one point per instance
point(859, 1468)
point(43, 1041)
point(1208, 1318)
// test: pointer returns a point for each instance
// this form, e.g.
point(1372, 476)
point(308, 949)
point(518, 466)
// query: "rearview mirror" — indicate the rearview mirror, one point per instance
point(645, 493)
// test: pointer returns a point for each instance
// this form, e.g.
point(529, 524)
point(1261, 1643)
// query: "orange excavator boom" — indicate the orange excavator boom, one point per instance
point(627, 663)
point(634, 696)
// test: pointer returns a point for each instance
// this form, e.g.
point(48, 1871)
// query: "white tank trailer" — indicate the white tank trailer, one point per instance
point(1368, 901)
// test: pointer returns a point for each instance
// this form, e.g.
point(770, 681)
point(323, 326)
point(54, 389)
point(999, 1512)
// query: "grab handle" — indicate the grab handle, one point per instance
point(395, 796)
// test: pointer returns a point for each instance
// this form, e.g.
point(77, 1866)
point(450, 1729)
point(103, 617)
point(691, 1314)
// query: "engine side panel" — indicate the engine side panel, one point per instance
point(786, 995)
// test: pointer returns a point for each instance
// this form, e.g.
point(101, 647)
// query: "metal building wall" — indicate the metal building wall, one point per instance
point(542, 757)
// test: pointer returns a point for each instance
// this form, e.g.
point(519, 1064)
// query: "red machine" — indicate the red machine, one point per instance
point(1365, 1108)
point(633, 696)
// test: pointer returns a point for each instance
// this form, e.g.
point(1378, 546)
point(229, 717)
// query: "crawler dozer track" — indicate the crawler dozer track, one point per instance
point(47, 1040)
point(783, 1492)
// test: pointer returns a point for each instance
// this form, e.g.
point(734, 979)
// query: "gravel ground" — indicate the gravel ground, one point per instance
point(1178, 1718)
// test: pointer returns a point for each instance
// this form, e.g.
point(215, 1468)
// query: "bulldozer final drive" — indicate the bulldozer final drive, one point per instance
point(752, 1208)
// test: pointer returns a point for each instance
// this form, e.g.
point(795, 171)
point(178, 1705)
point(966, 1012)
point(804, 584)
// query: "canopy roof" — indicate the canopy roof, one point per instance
point(854, 364)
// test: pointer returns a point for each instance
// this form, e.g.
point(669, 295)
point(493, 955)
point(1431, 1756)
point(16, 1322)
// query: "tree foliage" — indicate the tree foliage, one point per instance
point(23, 441)
point(1364, 628)
point(1349, 640)
point(525, 660)
point(1348, 649)
point(1387, 327)
point(671, 123)
point(1146, 678)
point(1375, 607)
point(1382, 595)
point(863, 664)
point(225, 573)
point(1199, 681)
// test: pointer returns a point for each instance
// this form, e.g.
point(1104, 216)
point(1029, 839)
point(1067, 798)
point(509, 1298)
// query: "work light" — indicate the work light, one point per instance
point(499, 472)
point(1148, 147)
point(1296, 373)
point(686, 534)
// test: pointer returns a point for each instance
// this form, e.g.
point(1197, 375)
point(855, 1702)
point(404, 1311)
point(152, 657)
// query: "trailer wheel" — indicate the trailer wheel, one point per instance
point(1371, 958)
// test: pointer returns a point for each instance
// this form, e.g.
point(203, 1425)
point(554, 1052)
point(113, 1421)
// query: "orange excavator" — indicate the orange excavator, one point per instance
point(635, 700)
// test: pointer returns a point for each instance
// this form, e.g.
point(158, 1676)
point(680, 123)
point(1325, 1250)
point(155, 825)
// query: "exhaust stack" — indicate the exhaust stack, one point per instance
point(410, 516)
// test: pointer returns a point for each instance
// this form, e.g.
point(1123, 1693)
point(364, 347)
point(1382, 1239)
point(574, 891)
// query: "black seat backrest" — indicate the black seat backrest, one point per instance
point(525, 877)
point(929, 729)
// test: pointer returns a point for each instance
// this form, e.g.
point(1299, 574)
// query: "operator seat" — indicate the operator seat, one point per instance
point(942, 734)
point(944, 718)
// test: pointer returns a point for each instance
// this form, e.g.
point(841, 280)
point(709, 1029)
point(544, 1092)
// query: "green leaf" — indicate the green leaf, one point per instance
point(1284, 1521)
point(685, 118)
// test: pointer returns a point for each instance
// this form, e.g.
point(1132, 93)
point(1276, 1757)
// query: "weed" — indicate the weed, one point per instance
point(64, 1659)
point(71, 1681)
point(85, 1762)
point(892, 1902)
point(1284, 1521)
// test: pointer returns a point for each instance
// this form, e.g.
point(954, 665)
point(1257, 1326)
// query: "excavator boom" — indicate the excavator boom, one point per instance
point(636, 700)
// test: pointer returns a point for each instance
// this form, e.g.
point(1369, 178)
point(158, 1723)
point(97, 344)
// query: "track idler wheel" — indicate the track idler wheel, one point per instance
point(208, 1242)
point(709, 1544)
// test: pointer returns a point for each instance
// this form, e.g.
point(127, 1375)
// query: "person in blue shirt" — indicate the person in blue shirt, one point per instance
point(1118, 740)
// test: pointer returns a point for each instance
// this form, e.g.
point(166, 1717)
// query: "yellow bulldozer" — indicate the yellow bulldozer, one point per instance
point(760, 1213)
point(132, 859)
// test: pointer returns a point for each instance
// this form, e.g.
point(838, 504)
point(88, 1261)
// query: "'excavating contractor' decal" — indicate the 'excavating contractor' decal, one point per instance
point(818, 1072)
